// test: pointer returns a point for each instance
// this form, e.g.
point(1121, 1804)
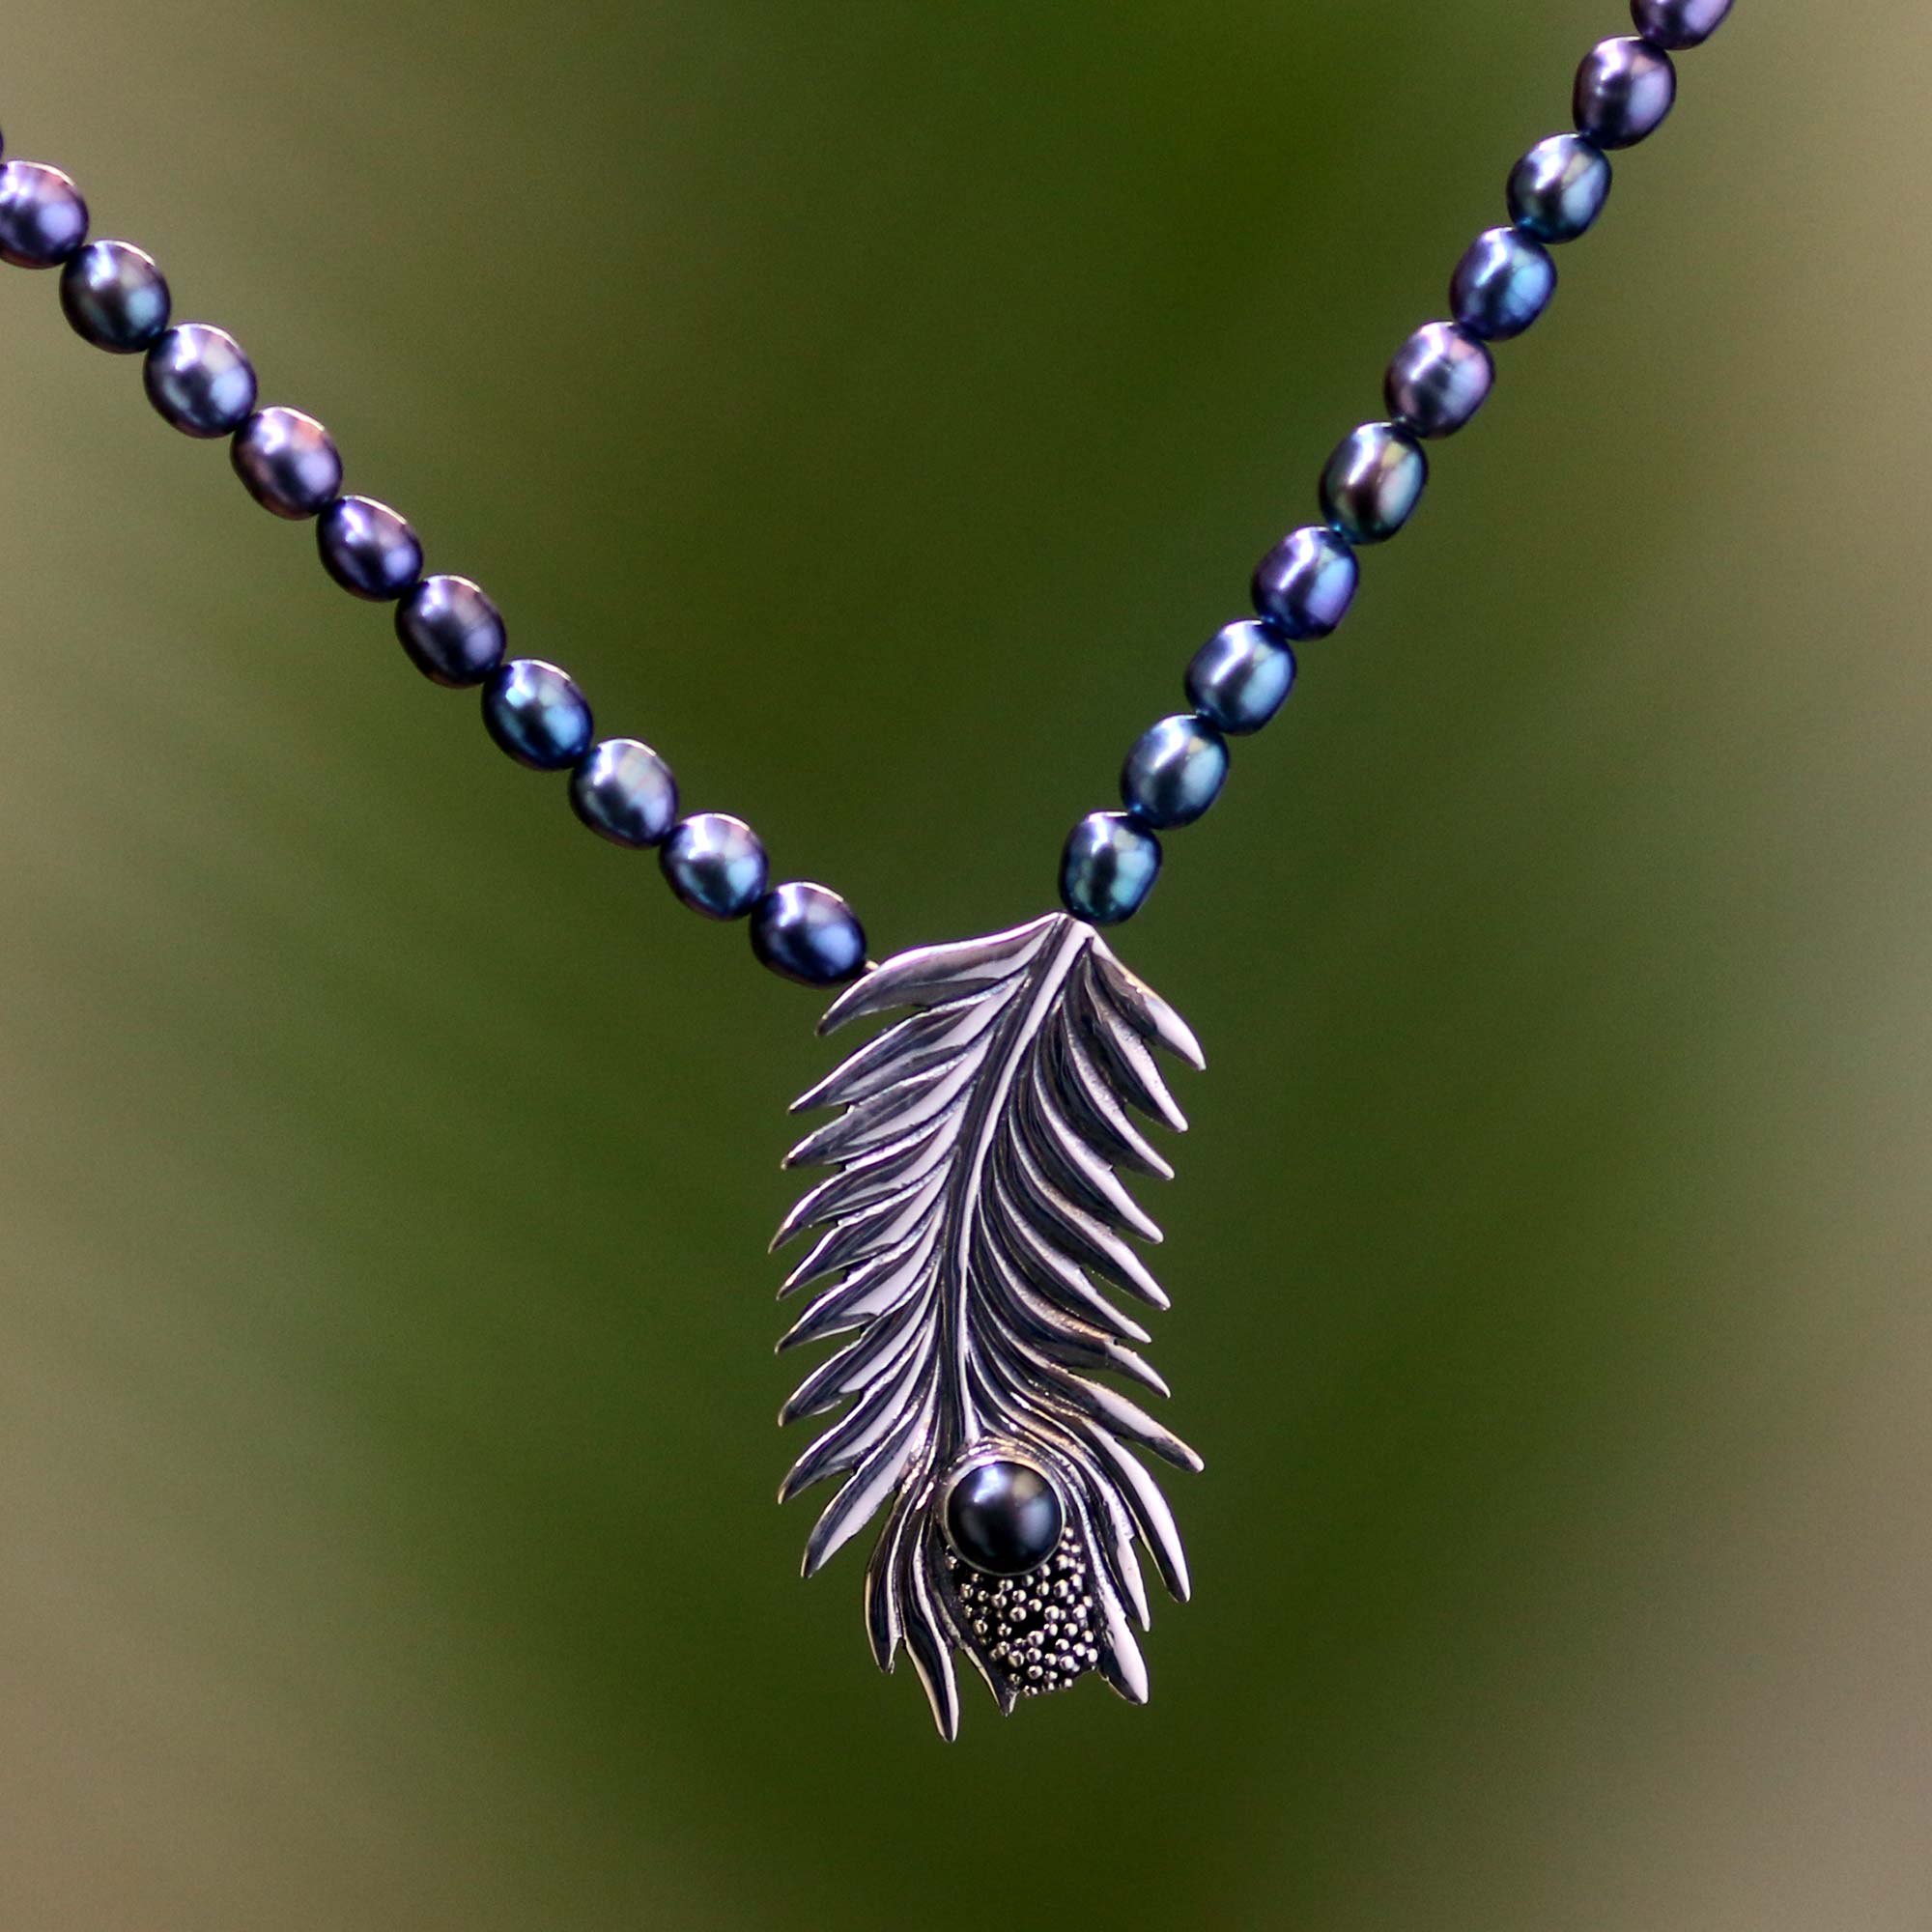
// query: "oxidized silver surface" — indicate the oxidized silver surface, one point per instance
point(975, 1211)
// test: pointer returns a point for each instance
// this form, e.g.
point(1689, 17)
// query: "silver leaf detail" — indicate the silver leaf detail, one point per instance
point(975, 1211)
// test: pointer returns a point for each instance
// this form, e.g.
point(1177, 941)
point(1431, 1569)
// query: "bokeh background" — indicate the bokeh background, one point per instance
point(875, 404)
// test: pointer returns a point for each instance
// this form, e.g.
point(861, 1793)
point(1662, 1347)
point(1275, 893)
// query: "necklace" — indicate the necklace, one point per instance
point(974, 1217)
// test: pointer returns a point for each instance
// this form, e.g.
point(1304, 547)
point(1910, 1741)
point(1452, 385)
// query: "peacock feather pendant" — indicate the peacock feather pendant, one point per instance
point(972, 1215)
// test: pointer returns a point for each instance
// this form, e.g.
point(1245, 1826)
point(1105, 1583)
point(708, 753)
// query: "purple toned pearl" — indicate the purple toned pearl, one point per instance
point(1502, 284)
point(42, 217)
point(808, 933)
point(368, 548)
point(1374, 482)
point(452, 631)
point(199, 380)
point(287, 462)
point(1304, 585)
point(1440, 377)
point(624, 792)
point(1679, 23)
point(114, 297)
point(1624, 90)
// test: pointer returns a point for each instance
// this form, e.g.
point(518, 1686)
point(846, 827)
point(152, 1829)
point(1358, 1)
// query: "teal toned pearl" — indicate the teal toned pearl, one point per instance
point(1108, 868)
point(1241, 677)
point(1174, 772)
point(1558, 188)
point(536, 713)
point(716, 865)
point(114, 297)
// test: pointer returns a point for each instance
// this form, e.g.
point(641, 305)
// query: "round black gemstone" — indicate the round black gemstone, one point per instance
point(1004, 1517)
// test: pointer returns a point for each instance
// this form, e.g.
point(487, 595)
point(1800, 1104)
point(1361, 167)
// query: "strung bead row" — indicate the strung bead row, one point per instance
point(1437, 381)
point(200, 380)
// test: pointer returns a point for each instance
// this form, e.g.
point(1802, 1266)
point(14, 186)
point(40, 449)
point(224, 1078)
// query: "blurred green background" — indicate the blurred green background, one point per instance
point(875, 404)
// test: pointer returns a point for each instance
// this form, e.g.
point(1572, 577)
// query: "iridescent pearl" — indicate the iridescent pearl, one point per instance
point(715, 863)
point(1440, 377)
point(1679, 23)
point(808, 933)
point(114, 297)
point(452, 631)
point(1108, 868)
point(624, 792)
point(368, 548)
point(1502, 284)
point(1624, 90)
point(1374, 482)
point(1558, 190)
point(1174, 772)
point(199, 380)
point(1304, 585)
point(1004, 1517)
point(536, 713)
point(287, 462)
point(42, 217)
point(1241, 677)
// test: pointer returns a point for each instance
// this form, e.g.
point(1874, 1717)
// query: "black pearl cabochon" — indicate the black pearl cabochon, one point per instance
point(1003, 1518)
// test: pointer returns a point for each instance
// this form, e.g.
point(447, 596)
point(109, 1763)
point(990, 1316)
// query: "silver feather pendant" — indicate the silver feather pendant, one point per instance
point(975, 1211)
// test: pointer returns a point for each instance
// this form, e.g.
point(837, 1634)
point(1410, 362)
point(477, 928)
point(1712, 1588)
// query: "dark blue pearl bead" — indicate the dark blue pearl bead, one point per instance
point(808, 933)
point(1679, 23)
point(1624, 90)
point(1374, 482)
point(625, 792)
point(287, 462)
point(1502, 284)
point(1174, 772)
point(42, 218)
point(368, 549)
point(1440, 377)
point(1108, 868)
point(1558, 190)
point(536, 713)
point(1241, 677)
point(199, 380)
point(1004, 1518)
point(715, 863)
point(452, 631)
point(114, 297)
point(1304, 585)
